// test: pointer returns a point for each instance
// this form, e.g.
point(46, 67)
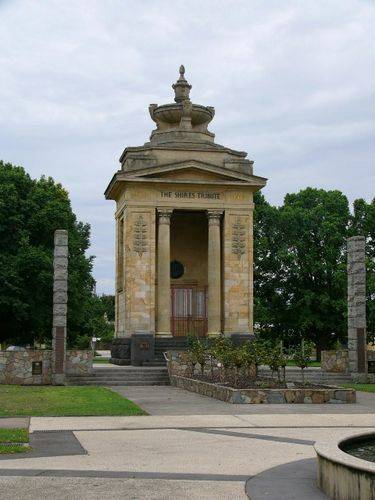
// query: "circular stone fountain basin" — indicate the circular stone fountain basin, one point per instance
point(172, 113)
point(363, 447)
point(343, 475)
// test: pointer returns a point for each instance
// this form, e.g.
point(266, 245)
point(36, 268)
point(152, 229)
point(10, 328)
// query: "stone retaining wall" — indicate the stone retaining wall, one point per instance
point(16, 367)
point(328, 394)
point(335, 361)
point(78, 362)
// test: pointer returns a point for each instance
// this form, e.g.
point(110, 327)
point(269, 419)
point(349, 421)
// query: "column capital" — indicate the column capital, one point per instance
point(214, 217)
point(164, 215)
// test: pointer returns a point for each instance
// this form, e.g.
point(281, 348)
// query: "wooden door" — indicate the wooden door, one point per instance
point(189, 310)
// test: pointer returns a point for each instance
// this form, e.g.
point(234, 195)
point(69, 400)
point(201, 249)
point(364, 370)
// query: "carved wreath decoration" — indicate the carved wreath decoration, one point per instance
point(140, 236)
point(238, 238)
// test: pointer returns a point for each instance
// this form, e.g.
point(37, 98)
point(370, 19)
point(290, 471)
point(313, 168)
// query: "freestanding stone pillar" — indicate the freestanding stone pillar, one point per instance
point(214, 272)
point(357, 307)
point(60, 299)
point(164, 280)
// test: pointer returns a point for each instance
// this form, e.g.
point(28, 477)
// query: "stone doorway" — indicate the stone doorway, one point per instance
point(189, 310)
point(189, 261)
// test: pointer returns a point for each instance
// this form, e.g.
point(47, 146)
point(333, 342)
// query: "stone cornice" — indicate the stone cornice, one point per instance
point(217, 148)
point(189, 164)
point(121, 178)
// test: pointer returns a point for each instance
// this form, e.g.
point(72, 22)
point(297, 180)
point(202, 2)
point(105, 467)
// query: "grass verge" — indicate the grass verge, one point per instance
point(101, 360)
point(361, 387)
point(47, 401)
point(311, 363)
point(13, 448)
point(13, 436)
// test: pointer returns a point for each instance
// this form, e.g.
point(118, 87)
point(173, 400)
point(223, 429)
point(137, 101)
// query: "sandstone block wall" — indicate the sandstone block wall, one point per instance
point(16, 366)
point(335, 361)
point(238, 272)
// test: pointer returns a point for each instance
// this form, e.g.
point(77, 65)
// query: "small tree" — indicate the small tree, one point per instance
point(248, 361)
point(275, 359)
point(220, 350)
point(256, 353)
point(236, 362)
point(301, 356)
point(198, 352)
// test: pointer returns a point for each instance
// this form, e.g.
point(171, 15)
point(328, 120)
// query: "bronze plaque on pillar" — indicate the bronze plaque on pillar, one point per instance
point(361, 346)
point(59, 349)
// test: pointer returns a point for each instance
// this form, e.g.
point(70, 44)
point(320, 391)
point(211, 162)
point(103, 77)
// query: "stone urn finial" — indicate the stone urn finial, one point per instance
point(181, 87)
point(182, 72)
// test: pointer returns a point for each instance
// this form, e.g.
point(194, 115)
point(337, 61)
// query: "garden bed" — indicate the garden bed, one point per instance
point(307, 394)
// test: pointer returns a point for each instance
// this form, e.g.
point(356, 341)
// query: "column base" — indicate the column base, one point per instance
point(142, 348)
point(214, 334)
point(163, 335)
point(120, 351)
point(240, 338)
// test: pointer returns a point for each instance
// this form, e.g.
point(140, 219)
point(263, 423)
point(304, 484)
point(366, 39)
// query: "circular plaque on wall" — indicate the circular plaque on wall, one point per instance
point(177, 269)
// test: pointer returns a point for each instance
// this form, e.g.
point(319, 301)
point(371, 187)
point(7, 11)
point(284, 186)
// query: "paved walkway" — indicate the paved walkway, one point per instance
point(159, 400)
point(14, 423)
point(199, 450)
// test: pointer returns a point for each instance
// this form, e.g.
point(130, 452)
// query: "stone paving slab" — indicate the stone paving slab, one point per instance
point(292, 481)
point(188, 421)
point(89, 488)
point(14, 422)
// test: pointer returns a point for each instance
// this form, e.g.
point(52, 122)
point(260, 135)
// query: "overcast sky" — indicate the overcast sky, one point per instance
point(292, 82)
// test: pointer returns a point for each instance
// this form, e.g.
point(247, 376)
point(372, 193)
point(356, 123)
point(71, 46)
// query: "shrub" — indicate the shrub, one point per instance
point(301, 356)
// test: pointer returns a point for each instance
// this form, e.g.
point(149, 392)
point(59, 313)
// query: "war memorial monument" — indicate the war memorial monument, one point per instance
point(184, 233)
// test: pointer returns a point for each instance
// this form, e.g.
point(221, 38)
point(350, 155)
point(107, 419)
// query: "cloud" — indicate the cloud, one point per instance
point(292, 83)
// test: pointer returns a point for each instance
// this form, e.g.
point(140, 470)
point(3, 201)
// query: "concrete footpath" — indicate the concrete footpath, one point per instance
point(158, 400)
point(187, 448)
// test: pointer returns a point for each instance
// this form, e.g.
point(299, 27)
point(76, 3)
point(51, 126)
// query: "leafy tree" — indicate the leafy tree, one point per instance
point(300, 267)
point(108, 302)
point(314, 226)
point(30, 211)
point(95, 321)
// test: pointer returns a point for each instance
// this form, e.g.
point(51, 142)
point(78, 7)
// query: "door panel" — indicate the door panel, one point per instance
point(189, 311)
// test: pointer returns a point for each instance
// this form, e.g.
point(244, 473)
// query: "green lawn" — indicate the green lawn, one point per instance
point(47, 401)
point(13, 436)
point(13, 448)
point(361, 387)
point(100, 360)
point(312, 363)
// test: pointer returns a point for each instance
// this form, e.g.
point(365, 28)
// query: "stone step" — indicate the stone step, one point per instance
point(110, 383)
point(155, 363)
point(127, 376)
point(120, 376)
point(124, 371)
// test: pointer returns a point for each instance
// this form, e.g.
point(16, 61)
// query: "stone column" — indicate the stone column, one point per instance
point(357, 307)
point(164, 280)
point(214, 272)
point(60, 299)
